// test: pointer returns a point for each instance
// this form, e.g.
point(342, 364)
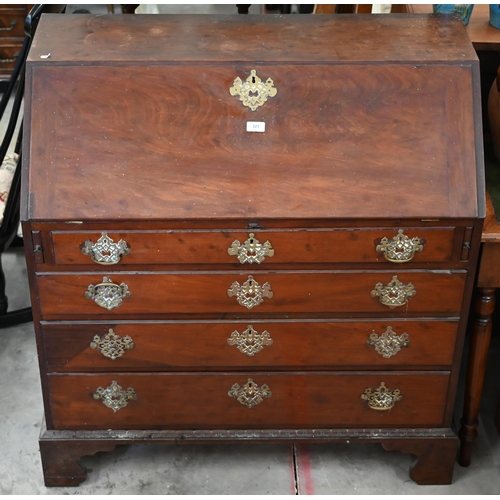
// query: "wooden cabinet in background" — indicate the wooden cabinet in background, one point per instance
point(12, 17)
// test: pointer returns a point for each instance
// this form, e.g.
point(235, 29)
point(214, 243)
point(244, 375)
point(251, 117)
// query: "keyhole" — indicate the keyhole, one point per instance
point(253, 79)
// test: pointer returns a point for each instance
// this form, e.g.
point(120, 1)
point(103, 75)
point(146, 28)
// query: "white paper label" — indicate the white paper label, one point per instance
point(256, 127)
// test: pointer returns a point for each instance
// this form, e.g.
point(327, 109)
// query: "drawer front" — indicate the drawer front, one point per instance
point(63, 295)
point(244, 345)
point(235, 247)
point(210, 401)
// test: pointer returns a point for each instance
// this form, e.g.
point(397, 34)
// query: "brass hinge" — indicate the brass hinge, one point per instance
point(36, 237)
point(466, 243)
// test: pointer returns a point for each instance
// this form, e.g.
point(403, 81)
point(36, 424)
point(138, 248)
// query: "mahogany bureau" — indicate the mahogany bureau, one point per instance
point(251, 228)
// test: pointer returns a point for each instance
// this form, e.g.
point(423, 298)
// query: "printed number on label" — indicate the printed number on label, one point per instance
point(256, 127)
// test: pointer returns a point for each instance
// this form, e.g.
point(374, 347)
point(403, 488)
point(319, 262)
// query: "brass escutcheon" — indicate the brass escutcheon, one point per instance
point(250, 342)
point(252, 251)
point(401, 248)
point(105, 251)
point(112, 346)
point(114, 396)
point(389, 343)
point(250, 294)
point(253, 93)
point(250, 394)
point(107, 294)
point(394, 294)
point(382, 398)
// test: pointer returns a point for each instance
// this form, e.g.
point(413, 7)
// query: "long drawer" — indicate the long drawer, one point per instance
point(247, 400)
point(66, 295)
point(234, 247)
point(245, 345)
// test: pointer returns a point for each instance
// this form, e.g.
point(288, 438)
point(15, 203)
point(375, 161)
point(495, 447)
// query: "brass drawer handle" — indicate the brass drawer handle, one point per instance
point(394, 294)
point(400, 249)
point(252, 251)
point(382, 398)
point(107, 294)
point(10, 59)
point(253, 93)
point(250, 294)
point(389, 343)
point(114, 396)
point(11, 27)
point(250, 394)
point(112, 346)
point(105, 251)
point(250, 342)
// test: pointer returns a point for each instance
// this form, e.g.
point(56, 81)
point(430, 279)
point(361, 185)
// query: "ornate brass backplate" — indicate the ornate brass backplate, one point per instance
point(401, 248)
point(382, 398)
point(389, 343)
point(250, 342)
point(250, 294)
point(394, 294)
point(250, 394)
point(253, 93)
point(114, 396)
point(105, 251)
point(112, 346)
point(107, 294)
point(252, 251)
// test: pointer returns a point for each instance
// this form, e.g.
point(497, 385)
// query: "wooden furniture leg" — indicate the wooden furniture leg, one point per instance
point(478, 352)
point(61, 460)
point(435, 458)
point(243, 9)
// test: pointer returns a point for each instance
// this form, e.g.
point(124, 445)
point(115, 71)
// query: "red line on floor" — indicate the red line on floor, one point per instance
point(304, 472)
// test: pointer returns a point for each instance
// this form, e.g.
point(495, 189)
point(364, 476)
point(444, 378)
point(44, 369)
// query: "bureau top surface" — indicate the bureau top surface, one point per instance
point(131, 117)
point(252, 38)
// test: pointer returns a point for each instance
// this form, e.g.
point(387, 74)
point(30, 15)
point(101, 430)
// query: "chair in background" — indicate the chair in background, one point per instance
point(10, 194)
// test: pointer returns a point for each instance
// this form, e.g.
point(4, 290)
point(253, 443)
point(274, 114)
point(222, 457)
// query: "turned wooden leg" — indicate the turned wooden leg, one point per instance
point(61, 460)
point(484, 306)
point(435, 458)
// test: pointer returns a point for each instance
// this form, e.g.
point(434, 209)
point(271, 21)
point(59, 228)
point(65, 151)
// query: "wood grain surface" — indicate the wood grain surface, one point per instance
point(191, 401)
point(211, 247)
point(62, 296)
point(203, 38)
point(204, 345)
point(131, 129)
point(170, 142)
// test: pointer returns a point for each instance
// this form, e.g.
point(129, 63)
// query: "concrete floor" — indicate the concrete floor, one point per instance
point(212, 469)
